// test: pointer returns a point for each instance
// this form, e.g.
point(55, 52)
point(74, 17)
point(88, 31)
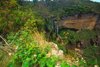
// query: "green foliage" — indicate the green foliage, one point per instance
point(69, 36)
point(4, 58)
point(28, 53)
point(58, 9)
point(72, 36)
point(71, 10)
point(53, 36)
point(14, 19)
point(82, 62)
point(89, 51)
point(92, 55)
point(61, 47)
point(86, 34)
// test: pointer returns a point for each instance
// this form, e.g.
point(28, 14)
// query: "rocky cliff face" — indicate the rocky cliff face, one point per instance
point(80, 21)
point(97, 24)
point(89, 21)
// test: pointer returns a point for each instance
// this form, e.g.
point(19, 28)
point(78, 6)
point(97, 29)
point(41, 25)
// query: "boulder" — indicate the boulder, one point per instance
point(60, 53)
point(55, 50)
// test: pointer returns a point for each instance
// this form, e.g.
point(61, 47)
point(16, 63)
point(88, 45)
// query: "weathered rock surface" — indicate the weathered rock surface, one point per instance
point(98, 41)
point(81, 21)
point(55, 50)
point(97, 24)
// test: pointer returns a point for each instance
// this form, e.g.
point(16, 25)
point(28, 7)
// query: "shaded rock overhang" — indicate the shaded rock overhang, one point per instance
point(80, 21)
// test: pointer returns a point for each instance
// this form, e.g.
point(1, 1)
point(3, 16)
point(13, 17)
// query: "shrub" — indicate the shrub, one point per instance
point(73, 37)
point(13, 18)
point(69, 36)
point(86, 34)
point(29, 53)
point(92, 55)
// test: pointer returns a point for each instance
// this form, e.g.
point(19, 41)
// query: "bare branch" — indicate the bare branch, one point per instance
point(4, 50)
point(6, 43)
point(35, 65)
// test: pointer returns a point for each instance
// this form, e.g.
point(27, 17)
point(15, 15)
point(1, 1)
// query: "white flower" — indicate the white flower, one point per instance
point(16, 47)
point(60, 52)
point(9, 54)
point(76, 61)
point(84, 61)
point(96, 66)
point(58, 65)
point(82, 58)
point(35, 55)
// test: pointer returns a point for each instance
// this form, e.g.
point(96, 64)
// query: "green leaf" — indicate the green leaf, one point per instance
point(17, 33)
point(81, 63)
point(9, 41)
point(10, 64)
point(25, 64)
point(74, 66)
point(39, 55)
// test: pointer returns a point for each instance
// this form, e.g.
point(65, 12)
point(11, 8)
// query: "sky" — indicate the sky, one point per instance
point(96, 0)
point(91, 0)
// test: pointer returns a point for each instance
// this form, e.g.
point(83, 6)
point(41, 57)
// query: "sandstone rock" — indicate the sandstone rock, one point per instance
point(55, 51)
point(78, 45)
point(79, 51)
point(59, 39)
point(98, 42)
point(53, 45)
point(81, 21)
point(60, 53)
point(97, 24)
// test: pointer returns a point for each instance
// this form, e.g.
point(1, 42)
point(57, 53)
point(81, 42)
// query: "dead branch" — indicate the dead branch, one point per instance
point(6, 43)
point(4, 49)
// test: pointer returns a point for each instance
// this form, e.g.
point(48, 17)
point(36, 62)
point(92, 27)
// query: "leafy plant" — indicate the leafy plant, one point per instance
point(92, 55)
point(72, 36)
point(69, 36)
point(86, 34)
point(29, 53)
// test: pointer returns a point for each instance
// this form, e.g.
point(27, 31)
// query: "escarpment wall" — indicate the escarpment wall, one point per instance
point(97, 24)
point(80, 21)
